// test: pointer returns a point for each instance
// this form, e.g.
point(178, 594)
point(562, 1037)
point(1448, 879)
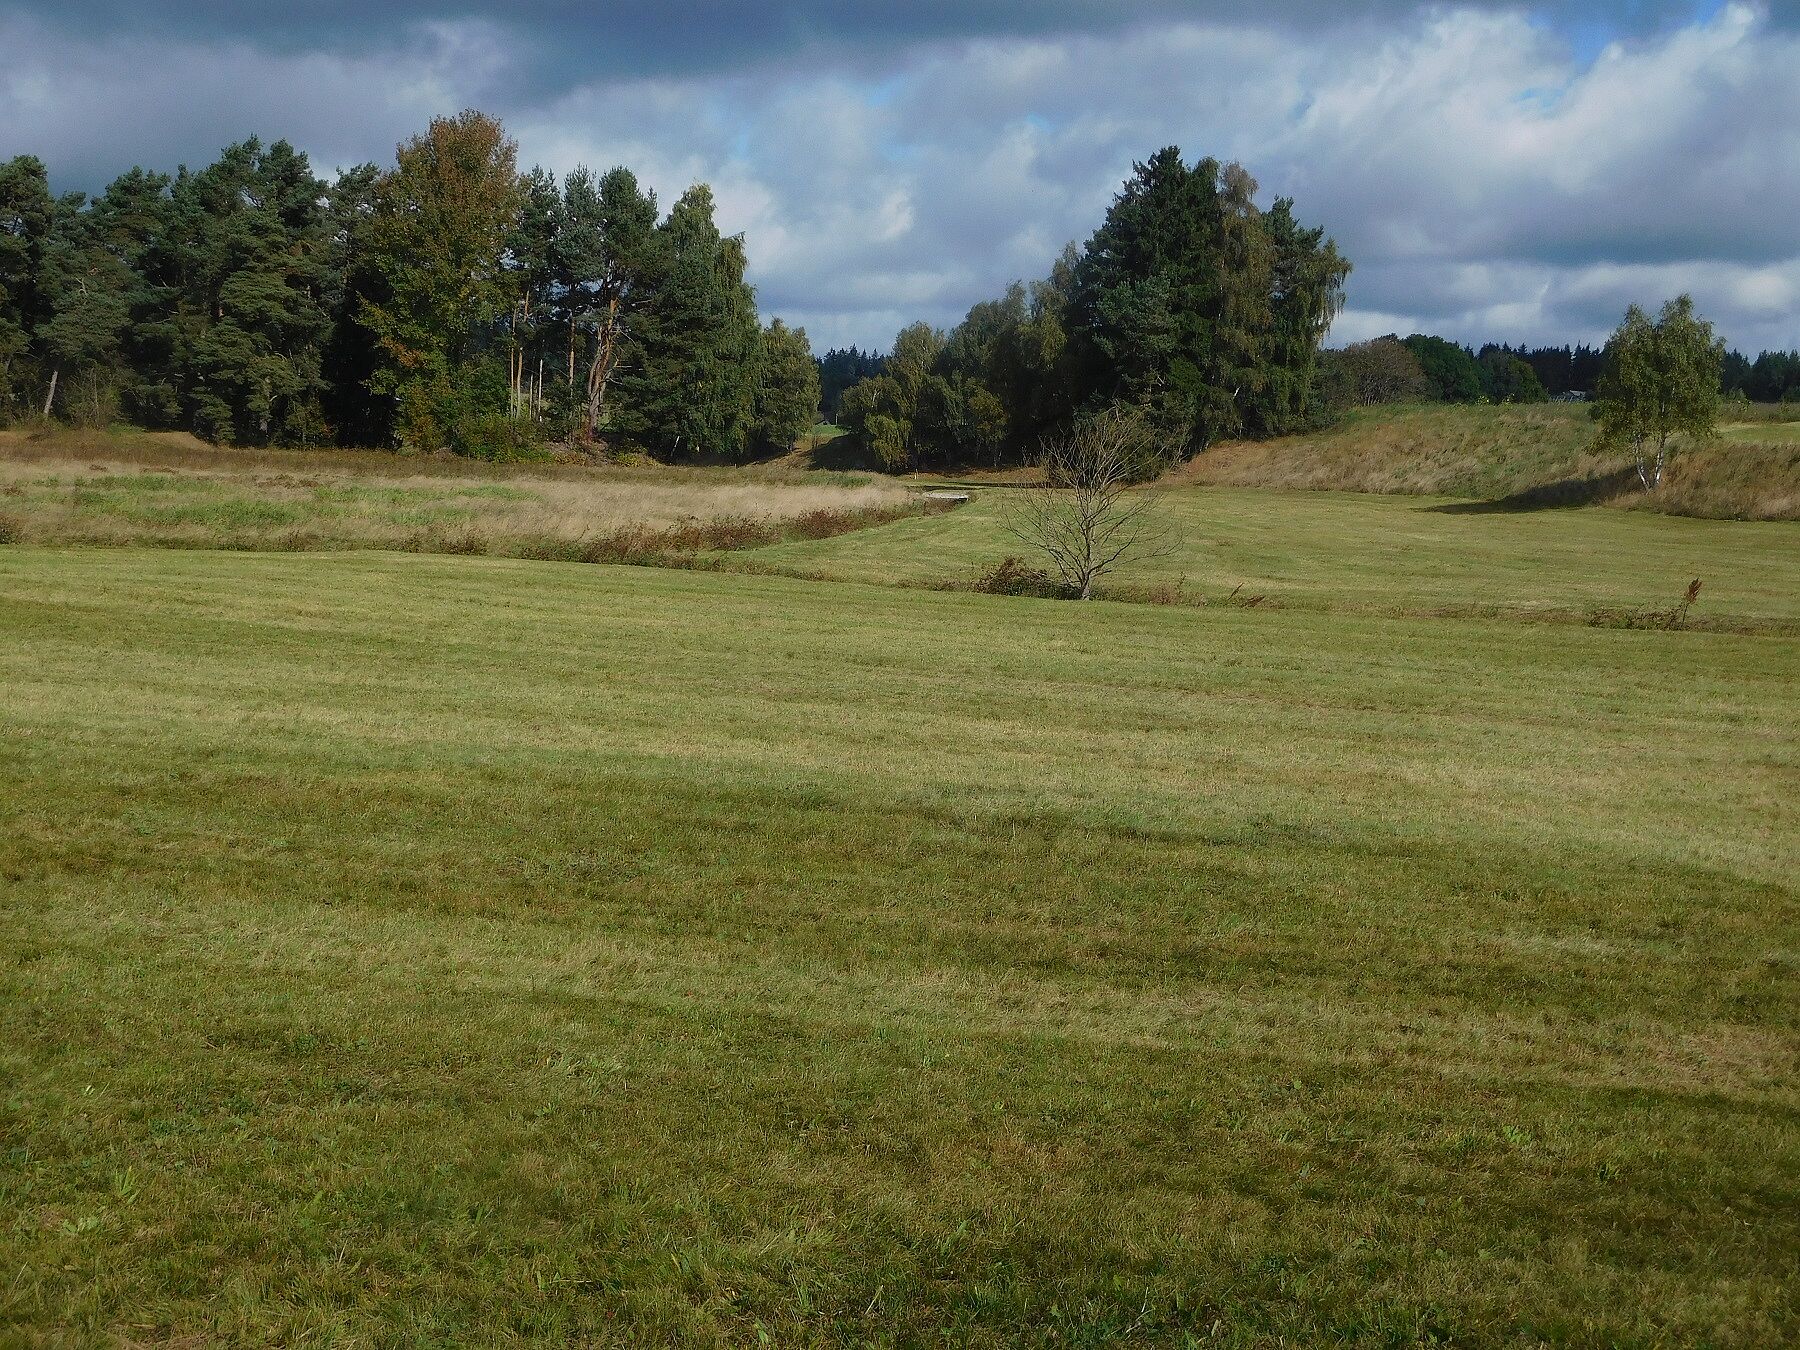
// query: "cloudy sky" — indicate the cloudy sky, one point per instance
point(1495, 170)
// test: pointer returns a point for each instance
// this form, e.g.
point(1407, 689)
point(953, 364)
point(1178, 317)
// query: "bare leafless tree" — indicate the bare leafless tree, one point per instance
point(1090, 516)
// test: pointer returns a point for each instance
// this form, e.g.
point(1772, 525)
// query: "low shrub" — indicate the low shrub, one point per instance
point(1014, 576)
point(497, 438)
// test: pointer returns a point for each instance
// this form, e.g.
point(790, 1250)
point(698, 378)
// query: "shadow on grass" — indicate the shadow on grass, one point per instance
point(1565, 492)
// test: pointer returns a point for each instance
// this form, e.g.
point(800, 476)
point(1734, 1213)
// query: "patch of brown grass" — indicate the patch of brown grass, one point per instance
point(173, 491)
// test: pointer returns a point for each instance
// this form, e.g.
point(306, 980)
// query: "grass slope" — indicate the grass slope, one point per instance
point(423, 950)
point(1526, 455)
point(1384, 553)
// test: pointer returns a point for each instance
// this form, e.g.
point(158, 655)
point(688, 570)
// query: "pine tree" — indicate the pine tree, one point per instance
point(538, 335)
point(606, 262)
point(354, 414)
point(251, 263)
point(1192, 305)
point(88, 291)
point(690, 383)
point(27, 212)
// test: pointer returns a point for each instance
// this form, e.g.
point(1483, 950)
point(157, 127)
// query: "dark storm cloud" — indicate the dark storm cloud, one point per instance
point(553, 43)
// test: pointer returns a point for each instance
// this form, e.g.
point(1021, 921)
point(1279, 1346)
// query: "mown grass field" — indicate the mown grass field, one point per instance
point(423, 950)
point(1768, 431)
point(1382, 553)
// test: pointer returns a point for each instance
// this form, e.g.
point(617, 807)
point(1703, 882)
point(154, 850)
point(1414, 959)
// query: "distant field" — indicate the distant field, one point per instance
point(1384, 553)
point(1784, 433)
point(419, 950)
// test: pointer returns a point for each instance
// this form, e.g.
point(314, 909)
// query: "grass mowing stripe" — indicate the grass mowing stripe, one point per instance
point(455, 950)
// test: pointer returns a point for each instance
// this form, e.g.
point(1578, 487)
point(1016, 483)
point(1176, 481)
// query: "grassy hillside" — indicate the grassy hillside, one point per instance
point(1383, 553)
point(1535, 455)
point(398, 949)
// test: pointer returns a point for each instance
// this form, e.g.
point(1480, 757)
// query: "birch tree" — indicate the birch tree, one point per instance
point(1660, 381)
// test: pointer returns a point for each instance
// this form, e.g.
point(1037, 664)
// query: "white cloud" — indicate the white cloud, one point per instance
point(1486, 181)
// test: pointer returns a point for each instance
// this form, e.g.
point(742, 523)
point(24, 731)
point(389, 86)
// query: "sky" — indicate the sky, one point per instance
point(1495, 171)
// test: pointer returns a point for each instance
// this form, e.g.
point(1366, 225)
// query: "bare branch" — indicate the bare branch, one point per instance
point(1090, 517)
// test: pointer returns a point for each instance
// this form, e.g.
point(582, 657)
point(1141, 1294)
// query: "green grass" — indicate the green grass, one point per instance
point(416, 950)
point(1765, 433)
point(1530, 455)
point(1444, 449)
point(1374, 552)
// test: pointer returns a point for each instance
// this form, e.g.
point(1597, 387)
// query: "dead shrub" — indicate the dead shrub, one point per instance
point(1672, 619)
point(1238, 600)
point(1012, 575)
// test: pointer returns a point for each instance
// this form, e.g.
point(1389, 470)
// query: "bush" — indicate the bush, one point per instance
point(497, 437)
point(1014, 576)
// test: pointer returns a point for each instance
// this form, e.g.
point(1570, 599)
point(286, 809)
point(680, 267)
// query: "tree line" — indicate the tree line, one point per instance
point(1423, 368)
point(447, 302)
point(1190, 305)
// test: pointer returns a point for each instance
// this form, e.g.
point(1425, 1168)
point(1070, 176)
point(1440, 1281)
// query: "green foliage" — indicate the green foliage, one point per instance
point(248, 260)
point(1773, 377)
point(787, 388)
point(894, 411)
point(1178, 296)
point(607, 254)
point(887, 437)
point(1449, 366)
point(442, 221)
point(690, 387)
point(1506, 378)
point(1661, 380)
point(839, 370)
point(27, 215)
point(355, 413)
point(1190, 303)
point(88, 293)
point(1365, 374)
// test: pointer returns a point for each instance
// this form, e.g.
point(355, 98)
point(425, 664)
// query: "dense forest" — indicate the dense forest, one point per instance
point(452, 302)
point(1189, 302)
point(448, 302)
point(1386, 370)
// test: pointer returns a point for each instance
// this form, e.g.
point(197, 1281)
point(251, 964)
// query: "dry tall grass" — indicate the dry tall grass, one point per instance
point(101, 488)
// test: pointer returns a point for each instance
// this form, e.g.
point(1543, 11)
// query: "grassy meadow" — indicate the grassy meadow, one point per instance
point(1372, 552)
point(401, 949)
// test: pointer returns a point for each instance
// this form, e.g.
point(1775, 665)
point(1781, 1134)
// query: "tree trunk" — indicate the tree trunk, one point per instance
point(600, 372)
point(50, 397)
